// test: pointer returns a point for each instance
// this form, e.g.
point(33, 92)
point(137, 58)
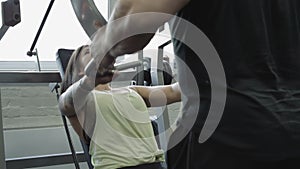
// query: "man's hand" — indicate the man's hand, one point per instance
point(102, 72)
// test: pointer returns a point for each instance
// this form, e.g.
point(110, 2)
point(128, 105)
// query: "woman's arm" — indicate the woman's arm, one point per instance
point(72, 104)
point(74, 98)
point(155, 96)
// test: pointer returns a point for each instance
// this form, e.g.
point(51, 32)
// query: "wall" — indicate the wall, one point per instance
point(29, 106)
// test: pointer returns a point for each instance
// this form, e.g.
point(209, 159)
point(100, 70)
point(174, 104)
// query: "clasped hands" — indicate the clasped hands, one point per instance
point(101, 71)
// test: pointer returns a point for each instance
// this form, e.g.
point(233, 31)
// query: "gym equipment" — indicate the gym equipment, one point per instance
point(10, 13)
point(88, 15)
point(62, 59)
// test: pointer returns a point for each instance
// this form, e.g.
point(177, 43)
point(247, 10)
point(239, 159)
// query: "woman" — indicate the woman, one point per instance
point(114, 120)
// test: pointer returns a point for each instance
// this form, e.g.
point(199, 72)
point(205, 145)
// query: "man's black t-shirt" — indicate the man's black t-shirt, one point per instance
point(258, 42)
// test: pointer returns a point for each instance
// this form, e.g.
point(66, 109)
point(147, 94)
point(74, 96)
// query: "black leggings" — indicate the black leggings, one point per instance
point(146, 166)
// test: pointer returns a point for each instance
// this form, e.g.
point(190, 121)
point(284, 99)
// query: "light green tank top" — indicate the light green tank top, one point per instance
point(123, 134)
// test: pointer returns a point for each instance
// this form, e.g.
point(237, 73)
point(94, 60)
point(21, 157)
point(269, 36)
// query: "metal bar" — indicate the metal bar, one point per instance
point(3, 30)
point(157, 75)
point(160, 67)
point(40, 28)
point(29, 77)
point(73, 152)
point(157, 79)
point(8, 66)
point(128, 65)
point(38, 60)
point(140, 69)
point(111, 5)
point(2, 151)
point(161, 79)
point(125, 76)
point(88, 15)
point(41, 161)
point(165, 44)
point(74, 155)
point(85, 148)
point(45, 77)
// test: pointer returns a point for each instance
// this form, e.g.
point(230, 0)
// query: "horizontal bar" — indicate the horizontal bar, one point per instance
point(165, 44)
point(29, 77)
point(12, 66)
point(128, 65)
point(125, 76)
point(42, 161)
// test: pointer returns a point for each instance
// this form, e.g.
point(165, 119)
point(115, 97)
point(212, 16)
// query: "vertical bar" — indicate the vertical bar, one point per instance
point(160, 80)
point(111, 4)
point(157, 79)
point(160, 67)
point(2, 151)
point(140, 69)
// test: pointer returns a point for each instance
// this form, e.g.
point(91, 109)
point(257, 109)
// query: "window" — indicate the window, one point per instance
point(61, 30)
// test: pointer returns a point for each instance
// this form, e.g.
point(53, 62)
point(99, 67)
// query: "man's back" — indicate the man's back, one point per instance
point(258, 42)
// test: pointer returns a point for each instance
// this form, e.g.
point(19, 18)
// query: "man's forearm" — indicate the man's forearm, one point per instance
point(132, 25)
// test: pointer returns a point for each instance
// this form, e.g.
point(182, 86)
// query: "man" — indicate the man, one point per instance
point(258, 43)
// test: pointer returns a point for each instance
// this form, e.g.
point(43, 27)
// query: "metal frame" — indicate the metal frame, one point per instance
point(2, 151)
point(111, 4)
point(88, 14)
point(157, 77)
point(22, 77)
point(10, 15)
point(29, 77)
point(74, 154)
point(30, 53)
point(3, 30)
point(41, 161)
point(140, 70)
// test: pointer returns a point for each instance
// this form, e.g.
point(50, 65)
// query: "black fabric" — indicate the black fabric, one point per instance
point(218, 156)
point(258, 42)
point(62, 59)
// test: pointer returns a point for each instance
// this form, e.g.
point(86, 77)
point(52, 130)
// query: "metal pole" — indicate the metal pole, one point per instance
point(3, 30)
point(29, 53)
point(111, 4)
point(92, 19)
point(160, 78)
point(140, 69)
point(74, 156)
point(2, 151)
